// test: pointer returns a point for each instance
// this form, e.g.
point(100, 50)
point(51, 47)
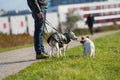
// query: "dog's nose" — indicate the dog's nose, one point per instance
point(76, 38)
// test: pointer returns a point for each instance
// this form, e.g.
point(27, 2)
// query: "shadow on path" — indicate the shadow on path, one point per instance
point(23, 61)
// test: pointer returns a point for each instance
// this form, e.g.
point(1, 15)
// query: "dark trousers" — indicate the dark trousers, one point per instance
point(90, 28)
point(39, 31)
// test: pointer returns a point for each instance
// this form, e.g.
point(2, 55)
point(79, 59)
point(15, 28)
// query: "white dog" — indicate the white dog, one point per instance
point(88, 46)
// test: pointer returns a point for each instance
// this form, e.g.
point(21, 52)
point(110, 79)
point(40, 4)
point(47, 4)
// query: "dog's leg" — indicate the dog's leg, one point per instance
point(66, 46)
point(51, 52)
point(64, 49)
point(92, 53)
point(58, 49)
point(85, 52)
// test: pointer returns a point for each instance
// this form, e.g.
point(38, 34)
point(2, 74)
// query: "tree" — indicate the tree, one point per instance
point(71, 20)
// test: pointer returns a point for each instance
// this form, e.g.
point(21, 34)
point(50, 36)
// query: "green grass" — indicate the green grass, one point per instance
point(104, 66)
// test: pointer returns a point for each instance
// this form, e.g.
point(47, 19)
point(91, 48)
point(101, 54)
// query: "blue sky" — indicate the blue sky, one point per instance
point(13, 4)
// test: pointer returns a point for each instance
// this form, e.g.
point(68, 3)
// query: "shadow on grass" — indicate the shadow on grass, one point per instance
point(74, 56)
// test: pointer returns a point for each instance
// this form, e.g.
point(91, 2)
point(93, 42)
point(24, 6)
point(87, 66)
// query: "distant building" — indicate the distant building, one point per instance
point(53, 3)
point(106, 13)
point(2, 12)
point(15, 12)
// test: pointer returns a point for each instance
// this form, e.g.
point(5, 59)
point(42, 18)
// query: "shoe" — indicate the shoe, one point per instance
point(41, 56)
point(45, 53)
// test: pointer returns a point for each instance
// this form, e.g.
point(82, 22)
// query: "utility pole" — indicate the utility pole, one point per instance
point(9, 21)
point(59, 23)
point(27, 29)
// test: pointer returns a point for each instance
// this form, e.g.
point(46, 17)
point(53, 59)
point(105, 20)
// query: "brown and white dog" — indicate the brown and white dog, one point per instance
point(88, 46)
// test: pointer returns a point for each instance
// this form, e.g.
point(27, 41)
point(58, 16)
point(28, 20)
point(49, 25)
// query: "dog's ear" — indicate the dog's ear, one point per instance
point(82, 38)
point(87, 37)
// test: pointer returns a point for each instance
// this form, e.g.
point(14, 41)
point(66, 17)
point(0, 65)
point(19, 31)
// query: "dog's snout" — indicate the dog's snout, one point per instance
point(76, 39)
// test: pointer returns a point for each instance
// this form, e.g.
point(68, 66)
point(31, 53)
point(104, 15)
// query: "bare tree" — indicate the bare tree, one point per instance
point(71, 20)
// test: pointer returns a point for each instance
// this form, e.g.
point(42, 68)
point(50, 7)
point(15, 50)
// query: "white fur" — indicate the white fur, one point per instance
point(89, 47)
point(55, 45)
point(59, 50)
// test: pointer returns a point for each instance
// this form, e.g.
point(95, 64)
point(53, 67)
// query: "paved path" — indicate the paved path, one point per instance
point(13, 61)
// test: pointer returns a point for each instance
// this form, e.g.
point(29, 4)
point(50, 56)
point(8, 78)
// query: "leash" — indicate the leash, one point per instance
point(50, 25)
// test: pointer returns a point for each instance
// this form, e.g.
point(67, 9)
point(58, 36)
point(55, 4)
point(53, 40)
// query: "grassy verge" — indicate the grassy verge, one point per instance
point(13, 48)
point(96, 30)
point(11, 42)
point(104, 66)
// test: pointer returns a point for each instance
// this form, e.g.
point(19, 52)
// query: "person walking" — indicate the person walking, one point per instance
point(90, 21)
point(38, 8)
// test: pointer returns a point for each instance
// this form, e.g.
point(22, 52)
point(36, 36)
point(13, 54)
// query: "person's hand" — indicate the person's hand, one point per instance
point(40, 15)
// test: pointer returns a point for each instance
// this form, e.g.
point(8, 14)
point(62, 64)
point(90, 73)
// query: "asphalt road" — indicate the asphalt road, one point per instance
point(12, 62)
